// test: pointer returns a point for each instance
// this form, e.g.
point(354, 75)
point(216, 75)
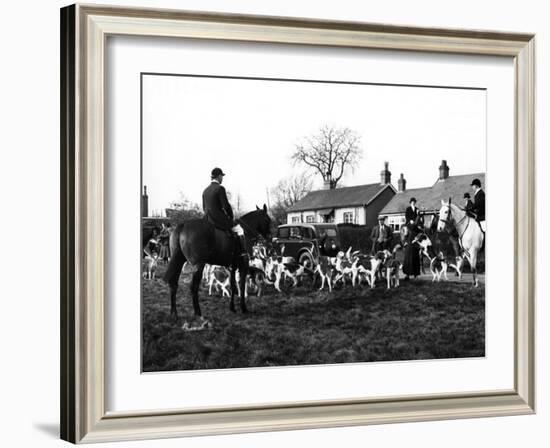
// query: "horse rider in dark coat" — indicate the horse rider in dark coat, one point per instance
point(478, 209)
point(412, 217)
point(217, 209)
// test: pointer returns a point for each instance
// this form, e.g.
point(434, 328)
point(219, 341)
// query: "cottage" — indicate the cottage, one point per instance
point(359, 204)
point(429, 198)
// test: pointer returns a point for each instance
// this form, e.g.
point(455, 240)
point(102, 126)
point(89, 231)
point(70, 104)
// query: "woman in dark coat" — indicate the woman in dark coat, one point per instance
point(411, 253)
point(164, 241)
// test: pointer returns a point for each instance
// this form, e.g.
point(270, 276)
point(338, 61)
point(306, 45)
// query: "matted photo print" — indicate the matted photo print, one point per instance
point(289, 222)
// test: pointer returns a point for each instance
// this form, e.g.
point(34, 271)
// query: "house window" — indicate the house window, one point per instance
point(396, 222)
point(310, 218)
point(348, 217)
point(295, 219)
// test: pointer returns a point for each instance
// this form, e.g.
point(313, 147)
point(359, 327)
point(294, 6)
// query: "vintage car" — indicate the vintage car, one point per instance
point(305, 242)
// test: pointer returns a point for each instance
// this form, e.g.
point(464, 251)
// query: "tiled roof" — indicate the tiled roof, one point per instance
point(339, 197)
point(429, 198)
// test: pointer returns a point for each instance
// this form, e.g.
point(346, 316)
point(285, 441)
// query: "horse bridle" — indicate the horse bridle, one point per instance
point(447, 222)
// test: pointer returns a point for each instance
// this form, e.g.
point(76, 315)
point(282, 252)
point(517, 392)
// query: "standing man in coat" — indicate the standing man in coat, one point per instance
point(381, 235)
point(217, 209)
point(478, 208)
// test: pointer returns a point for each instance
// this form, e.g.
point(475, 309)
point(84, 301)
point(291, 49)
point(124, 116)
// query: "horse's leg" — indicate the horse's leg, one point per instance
point(260, 283)
point(172, 275)
point(195, 285)
point(473, 264)
point(242, 283)
point(233, 286)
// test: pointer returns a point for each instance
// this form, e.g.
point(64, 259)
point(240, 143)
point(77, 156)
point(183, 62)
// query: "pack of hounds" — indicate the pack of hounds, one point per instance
point(267, 268)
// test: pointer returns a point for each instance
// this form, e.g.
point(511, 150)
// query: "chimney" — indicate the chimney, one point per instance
point(443, 170)
point(328, 183)
point(385, 175)
point(144, 203)
point(401, 184)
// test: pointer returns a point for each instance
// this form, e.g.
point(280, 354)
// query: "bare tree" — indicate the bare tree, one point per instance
point(330, 152)
point(183, 209)
point(288, 191)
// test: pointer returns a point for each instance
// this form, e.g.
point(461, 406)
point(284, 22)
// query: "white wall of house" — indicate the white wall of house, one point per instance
point(357, 215)
point(397, 221)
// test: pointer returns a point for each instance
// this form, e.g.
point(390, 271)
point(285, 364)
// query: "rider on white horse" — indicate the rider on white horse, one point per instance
point(470, 236)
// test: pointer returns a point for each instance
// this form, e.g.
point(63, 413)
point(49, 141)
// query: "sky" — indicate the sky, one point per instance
point(250, 128)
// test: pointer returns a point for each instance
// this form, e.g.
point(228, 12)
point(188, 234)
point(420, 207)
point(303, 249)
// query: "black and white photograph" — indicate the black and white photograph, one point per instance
point(292, 222)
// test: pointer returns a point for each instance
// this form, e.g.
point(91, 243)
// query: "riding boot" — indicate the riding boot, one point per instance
point(242, 243)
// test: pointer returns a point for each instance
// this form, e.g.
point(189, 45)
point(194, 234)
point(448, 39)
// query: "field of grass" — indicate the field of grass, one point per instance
point(419, 320)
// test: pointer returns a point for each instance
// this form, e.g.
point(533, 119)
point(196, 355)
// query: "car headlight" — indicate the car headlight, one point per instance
point(334, 246)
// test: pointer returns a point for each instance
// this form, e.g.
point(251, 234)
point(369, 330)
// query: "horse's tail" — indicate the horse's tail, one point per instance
point(177, 259)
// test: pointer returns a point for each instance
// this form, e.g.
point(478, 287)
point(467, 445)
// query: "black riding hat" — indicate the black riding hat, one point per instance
point(217, 172)
point(466, 195)
point(476, 182)
point(412, 200)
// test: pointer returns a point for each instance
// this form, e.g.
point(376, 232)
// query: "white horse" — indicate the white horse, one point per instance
point(470, 236)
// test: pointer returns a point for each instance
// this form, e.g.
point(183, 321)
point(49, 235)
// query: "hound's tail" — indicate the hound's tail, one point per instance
point(177, 259)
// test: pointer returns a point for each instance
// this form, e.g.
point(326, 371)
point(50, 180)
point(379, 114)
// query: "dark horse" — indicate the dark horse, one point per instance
point(198, 242)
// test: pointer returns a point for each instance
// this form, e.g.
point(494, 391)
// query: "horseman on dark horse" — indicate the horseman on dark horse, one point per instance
point(218, 211)
point(216, 239)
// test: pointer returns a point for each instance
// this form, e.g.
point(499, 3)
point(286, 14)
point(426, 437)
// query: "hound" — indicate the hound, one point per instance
point(219, 279)
point(255, 280)
point(391, 267)
point(325, 269)
point(345, 265)
point(149, 266)
point(439, 266)
point(294, 270)
point(368, 267)
point(274, 270)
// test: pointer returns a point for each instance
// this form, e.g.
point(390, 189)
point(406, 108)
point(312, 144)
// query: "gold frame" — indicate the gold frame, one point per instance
point(84, 29)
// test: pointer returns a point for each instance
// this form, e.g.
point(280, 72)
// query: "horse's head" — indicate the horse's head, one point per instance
point(258, 221)
point(445, 215)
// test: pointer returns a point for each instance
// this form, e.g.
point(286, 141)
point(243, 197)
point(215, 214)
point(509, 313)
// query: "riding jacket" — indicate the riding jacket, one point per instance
point(479, 205)
point(415, 217)
point(216, 206)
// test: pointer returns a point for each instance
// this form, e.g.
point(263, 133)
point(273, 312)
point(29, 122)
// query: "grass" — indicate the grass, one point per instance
point(419, 320)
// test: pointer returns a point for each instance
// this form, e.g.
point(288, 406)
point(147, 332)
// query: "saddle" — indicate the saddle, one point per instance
point(239, 244)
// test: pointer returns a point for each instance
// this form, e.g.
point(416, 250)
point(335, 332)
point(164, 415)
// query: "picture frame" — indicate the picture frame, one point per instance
point(84, 417)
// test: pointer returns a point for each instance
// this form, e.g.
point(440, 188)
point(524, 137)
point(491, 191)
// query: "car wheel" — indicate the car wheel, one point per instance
point(306, 260)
